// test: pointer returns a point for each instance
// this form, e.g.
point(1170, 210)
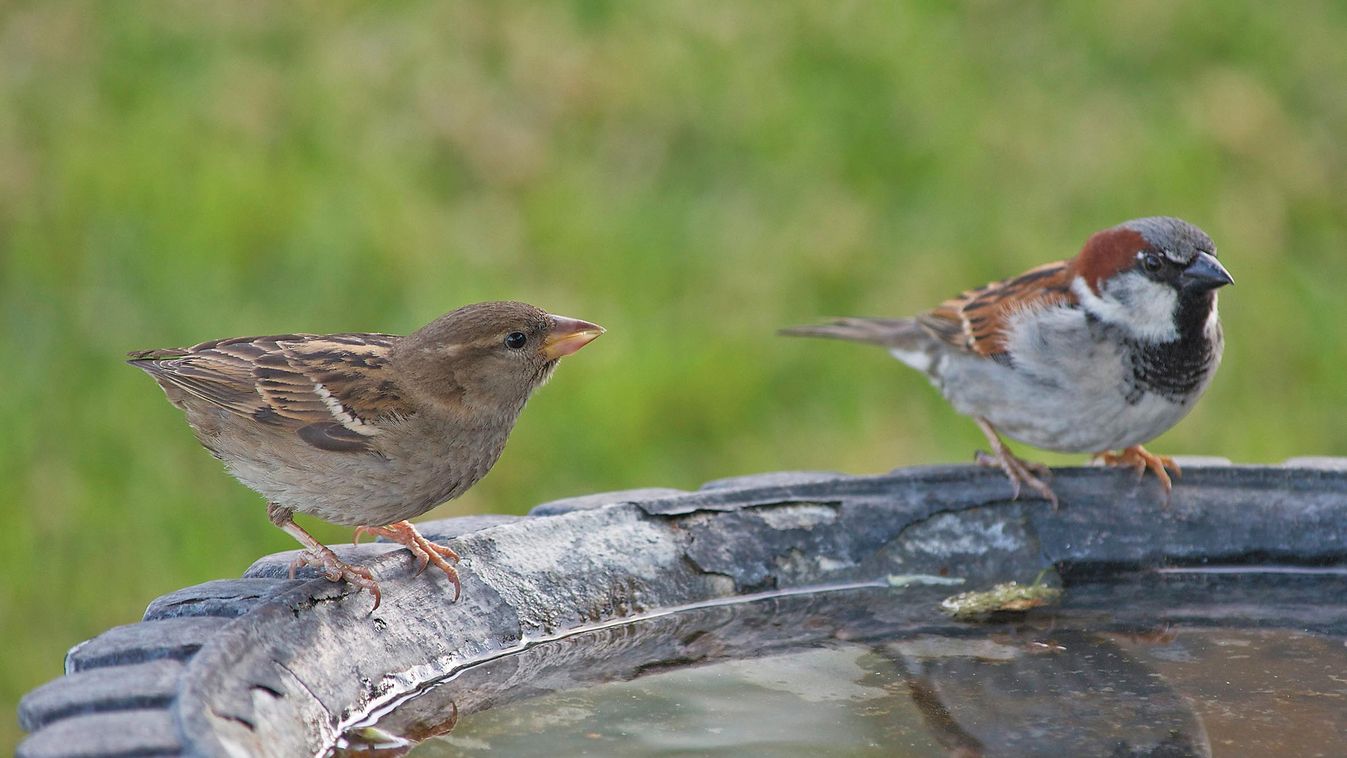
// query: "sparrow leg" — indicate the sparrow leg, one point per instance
point(1141, 459)
point(1019, 471)
point(425, 551)
point(320, 556)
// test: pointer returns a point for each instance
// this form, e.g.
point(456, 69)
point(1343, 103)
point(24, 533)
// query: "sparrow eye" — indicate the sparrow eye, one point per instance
point(515, 340)
point(1151, 262)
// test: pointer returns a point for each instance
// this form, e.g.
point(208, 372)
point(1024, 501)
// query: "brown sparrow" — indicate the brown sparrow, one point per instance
point(367, 429)
point(1098, 353)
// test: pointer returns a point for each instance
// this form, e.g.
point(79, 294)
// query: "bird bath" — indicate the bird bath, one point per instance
point(792, 613)
point(850, 671)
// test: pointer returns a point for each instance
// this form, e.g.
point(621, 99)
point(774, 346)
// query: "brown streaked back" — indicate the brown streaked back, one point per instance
point(977, 321)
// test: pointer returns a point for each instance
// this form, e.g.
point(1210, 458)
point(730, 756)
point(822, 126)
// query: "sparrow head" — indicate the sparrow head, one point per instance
point(1154, 277)
point(487, 357)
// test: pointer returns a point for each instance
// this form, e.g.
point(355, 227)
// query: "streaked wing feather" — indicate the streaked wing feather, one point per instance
point(218, 377)
point(331, 390)
point(977, 321)
point(329, 435)
point(353, 369)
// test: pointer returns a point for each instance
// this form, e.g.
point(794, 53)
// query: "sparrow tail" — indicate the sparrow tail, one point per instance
point(890, 333)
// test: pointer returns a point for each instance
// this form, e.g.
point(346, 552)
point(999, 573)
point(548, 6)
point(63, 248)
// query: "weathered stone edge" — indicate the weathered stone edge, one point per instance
point(69, 716)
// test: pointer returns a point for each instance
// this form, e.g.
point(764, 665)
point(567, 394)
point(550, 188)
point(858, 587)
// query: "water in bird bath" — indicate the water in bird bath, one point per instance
point(1246, 662)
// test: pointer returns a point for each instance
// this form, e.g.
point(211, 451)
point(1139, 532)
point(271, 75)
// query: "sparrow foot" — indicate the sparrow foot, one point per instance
point(317, 554)
point(335, 569)
point(1019, 471)
point(423, 550)
point(1141, 459)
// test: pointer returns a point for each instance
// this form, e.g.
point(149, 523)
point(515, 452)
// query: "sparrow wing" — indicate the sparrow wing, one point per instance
point(978, 321)
point(333, 391)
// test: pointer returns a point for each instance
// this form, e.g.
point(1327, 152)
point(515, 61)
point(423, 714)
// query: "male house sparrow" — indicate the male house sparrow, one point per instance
point(367, 429)
point(1097, 353)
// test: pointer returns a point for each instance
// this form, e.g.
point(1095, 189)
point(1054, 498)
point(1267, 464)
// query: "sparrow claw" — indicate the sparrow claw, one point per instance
point(1019, 471)
point(422, 559)
point(335, 569)
point(423, 550)
point(1040, 470)
point(987, 460)
point(1141, 460)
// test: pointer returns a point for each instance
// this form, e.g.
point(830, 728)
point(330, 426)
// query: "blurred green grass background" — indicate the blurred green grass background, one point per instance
point(690, 175)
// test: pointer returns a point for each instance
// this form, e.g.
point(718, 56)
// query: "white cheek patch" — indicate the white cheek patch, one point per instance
point(343, 416)
point(1135, 303)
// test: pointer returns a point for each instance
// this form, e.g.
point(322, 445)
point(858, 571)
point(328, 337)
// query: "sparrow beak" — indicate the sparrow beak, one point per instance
point(1204, 273)
point(568, 335)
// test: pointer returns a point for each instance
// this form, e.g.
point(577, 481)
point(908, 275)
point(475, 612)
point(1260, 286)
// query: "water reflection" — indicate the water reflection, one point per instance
point(858, 673)
point(1074, 693)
